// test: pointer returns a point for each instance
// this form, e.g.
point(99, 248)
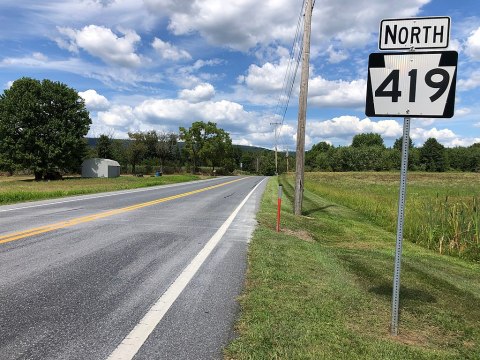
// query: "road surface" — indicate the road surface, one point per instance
point(143, 274)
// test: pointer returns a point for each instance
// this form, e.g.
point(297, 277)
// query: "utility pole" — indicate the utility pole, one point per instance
point(302, 111)
point(276, 155)
point(287, 159)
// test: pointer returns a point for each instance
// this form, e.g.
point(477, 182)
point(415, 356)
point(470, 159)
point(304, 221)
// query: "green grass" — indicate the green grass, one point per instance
point(321, 289)
point(18, 189)
point(442, 210)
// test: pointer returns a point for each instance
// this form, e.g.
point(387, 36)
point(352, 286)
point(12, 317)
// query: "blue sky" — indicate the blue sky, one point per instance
point(160, 64)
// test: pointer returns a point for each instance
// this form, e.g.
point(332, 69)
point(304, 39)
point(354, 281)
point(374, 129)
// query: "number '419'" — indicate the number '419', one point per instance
point(395, 93)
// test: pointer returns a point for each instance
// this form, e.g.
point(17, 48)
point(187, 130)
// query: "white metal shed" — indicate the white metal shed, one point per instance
point(96, 167)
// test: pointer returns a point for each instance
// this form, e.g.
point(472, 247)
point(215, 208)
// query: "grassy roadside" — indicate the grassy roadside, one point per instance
point(13, 190)
point(442, 211)
point(321, 289)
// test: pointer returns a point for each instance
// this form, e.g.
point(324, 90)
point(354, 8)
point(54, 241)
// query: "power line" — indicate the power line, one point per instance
point(297, 43)
point(289, 78)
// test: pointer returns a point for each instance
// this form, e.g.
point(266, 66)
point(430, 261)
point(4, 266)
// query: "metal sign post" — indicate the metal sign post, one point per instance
point(401, 213)
point(410, 84)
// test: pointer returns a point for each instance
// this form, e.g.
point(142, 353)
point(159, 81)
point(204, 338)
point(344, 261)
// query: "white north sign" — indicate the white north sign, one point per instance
point(417, 33)
point(411, 84)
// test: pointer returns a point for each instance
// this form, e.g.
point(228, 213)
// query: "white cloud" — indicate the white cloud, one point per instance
point(39, 56)
point(245, 24)
point(265, 84)
point(168, 114)
point(455, 45)
point(472, 82)
point(446, 137)
point(424, 122)
point(261, 134)
point(179, 112)
point(472, 46)
point(190, 76)
point(267, 78)
point(353, 22)
point(170, 52)
point(201, 92)
point(343, 128)
point(461, 142)
point(101, 42)
point(40, 17)
point(336, 56)
point(94, 101)
point(24, 61)
point(67, 43)
point(440, 135)
point(118, 116)
point(113, 76)
point(203, 63)
point(332, 93)
point(238, 24)
point(462, 111)
point(347, 126)
point(242, 141)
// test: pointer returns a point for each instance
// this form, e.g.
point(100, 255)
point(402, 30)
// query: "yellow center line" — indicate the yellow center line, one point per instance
point(80, 220)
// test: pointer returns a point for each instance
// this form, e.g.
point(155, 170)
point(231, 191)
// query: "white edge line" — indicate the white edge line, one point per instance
point(93, 196)
point(137, 337)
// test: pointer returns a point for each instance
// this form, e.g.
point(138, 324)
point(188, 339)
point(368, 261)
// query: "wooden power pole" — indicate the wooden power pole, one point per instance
point(302, 111)
point(276, 124)
point(287, 159)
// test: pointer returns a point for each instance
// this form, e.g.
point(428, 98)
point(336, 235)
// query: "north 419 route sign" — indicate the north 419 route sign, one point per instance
point(413, 84)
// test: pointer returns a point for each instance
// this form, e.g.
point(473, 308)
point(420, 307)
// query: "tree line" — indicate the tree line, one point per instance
point(203, 147)
point(203, 144)
point(43, 125)
point(369, 153)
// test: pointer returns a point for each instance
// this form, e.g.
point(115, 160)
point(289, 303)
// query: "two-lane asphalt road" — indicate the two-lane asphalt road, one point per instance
point(147, 274)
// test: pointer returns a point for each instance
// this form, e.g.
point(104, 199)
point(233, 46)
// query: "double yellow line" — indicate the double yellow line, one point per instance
point(80, 220)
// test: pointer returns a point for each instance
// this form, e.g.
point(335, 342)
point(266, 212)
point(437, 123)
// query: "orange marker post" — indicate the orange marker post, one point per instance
point(279, 204)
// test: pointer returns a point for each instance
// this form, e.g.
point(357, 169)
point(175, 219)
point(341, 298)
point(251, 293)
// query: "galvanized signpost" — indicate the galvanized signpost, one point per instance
point(410, 84)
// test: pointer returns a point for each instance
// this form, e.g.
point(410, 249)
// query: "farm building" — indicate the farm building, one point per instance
point(97, 168)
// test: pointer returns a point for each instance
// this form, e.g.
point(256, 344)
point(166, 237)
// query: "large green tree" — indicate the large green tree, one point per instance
point(397, 145)
point(166, 147)
point(316, 157)
point(137, 149)
point(367, 139)
point(150, 139)
point(217, 149)
point(105, 147)
point(42, 127)
point(208, 143)
point(193, 139)
point(432, 155)
point(413, 154)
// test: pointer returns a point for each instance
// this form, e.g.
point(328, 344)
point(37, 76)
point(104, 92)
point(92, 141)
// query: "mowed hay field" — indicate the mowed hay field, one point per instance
point(15, 189)
point(321, 288)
